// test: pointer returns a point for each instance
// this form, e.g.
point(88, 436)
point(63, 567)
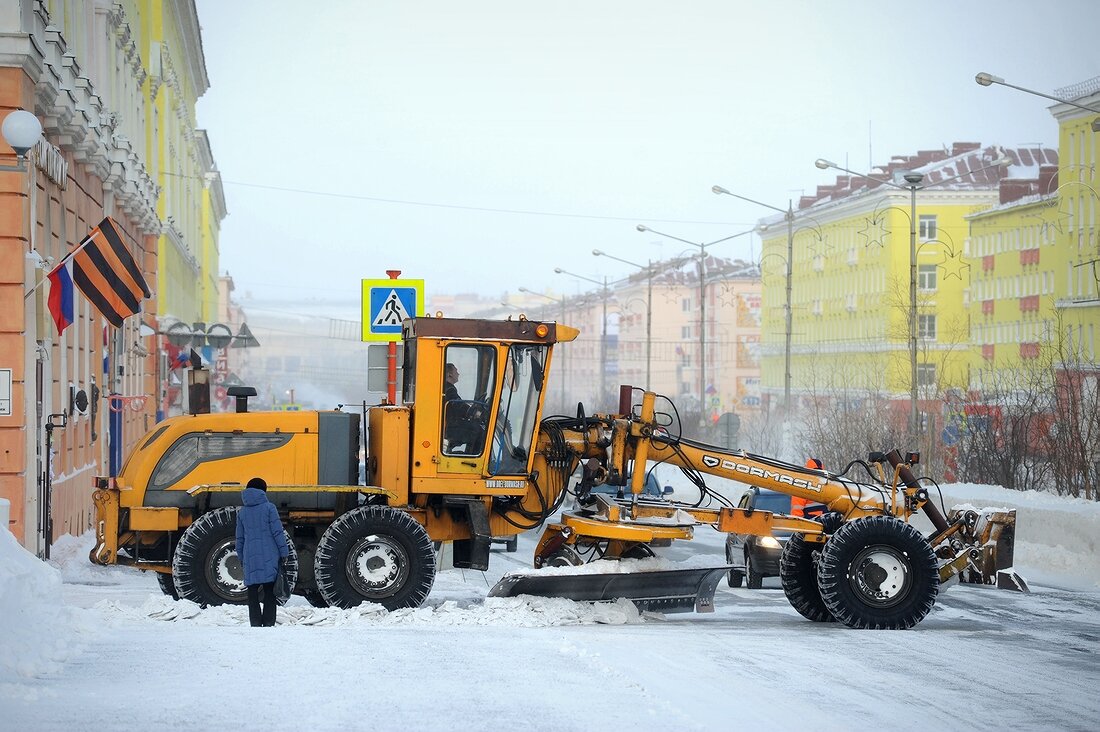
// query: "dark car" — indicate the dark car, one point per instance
point(651, 489)
point(757, 556)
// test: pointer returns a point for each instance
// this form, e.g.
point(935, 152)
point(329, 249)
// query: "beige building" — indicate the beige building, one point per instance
point(659, 348)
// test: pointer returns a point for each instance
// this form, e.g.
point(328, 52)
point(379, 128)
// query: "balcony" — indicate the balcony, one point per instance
point(1029, 304)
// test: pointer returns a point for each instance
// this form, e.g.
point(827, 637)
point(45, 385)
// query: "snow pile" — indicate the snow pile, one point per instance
point(515, 612)
point(35, 634)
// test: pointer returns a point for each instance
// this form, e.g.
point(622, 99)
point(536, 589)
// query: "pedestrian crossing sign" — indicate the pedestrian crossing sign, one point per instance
point(388, 302)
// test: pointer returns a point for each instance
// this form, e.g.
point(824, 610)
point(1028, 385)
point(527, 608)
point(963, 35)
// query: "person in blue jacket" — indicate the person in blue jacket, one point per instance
point(261, 546)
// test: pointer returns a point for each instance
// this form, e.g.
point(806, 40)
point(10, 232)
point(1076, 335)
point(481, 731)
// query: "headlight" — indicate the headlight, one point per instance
point(769, 541)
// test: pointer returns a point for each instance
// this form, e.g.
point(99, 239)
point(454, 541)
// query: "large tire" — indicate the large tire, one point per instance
point(375, 554)
point(639, 551)
point(565, 556)
point(734, 577)
point(167, 586)
point(753, 579)
point(878, 572)
point(798, 575)
point(205, 567)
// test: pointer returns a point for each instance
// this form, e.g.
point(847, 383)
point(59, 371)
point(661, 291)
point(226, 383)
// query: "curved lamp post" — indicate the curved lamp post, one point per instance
point(913, 180)
point(565, 356)
point(702, 305)
point(984, 78)
point(650, 273)
point(603, 335)
point(788, 215)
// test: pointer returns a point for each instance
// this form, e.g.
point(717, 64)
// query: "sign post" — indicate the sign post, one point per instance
point(386, 303)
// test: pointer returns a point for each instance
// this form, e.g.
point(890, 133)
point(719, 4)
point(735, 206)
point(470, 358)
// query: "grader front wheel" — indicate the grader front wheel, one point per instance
point(878, 572)
point(205, 567)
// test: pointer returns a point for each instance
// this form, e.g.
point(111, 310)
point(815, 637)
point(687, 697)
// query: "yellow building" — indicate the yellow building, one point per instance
point(1034, 297)
point(191, 204)
point(852, 273)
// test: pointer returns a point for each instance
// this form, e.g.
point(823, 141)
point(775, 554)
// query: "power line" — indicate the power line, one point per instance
point(482, 209)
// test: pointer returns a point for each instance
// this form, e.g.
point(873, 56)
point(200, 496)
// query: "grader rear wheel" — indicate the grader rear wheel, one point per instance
point(878, 572)
point(375, 554)
point(167, 586)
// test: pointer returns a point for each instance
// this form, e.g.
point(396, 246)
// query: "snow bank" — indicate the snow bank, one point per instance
point(515, 612)
point(35, 633)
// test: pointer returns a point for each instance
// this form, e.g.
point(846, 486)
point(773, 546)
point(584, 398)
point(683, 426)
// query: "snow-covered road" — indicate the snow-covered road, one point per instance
point(121, 656)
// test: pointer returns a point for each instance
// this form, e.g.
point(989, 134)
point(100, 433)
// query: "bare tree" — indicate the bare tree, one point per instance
point(999, 429)
point(1073, 438)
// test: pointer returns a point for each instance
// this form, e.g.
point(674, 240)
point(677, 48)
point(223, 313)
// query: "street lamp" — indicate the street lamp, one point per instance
point(788, 215)
point(565, 362)
point(650, 272)
point(603, 335)
point(913, 180)
point(702, 305)
point(986, 79)
point(21, 131)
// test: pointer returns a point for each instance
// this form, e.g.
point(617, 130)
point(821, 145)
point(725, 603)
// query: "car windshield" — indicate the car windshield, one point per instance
point(651, 488)
point(774, 502)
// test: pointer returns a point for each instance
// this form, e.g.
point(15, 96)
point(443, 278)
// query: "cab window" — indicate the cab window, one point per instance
point(520, 396)
point(469, 378)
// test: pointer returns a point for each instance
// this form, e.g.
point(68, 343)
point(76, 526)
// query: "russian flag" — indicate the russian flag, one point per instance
point(61, 294)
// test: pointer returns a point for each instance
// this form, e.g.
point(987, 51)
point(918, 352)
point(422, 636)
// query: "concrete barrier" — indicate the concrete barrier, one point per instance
point(5, 513)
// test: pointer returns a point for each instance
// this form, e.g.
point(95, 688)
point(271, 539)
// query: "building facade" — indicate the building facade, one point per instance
point(852, 273)
point(90, 71)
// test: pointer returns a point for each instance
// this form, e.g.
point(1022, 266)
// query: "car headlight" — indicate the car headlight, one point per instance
point(769, 541)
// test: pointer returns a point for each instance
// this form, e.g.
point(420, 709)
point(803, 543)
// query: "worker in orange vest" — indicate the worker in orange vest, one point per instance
point(804, 506)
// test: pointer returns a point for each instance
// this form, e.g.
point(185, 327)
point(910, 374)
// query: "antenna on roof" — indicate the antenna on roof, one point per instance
point(870, 157)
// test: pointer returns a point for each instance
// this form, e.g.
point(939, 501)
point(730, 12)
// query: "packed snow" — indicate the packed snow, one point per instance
point(84, 646)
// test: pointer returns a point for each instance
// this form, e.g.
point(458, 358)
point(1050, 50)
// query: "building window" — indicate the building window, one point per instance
point(926, 277)
point(926, 327)
point(927, 227)
point(926, 374)
point(685, 304)
point(685, 331)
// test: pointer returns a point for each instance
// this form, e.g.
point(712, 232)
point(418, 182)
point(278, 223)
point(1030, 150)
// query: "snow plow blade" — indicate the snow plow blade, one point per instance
point(668, 591)
point(991, 534)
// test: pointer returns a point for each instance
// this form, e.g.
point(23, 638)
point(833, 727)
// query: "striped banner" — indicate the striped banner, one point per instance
point(107, 274)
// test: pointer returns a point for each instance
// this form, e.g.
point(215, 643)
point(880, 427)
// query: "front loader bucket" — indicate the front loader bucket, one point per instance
point(668, 591)
point(992, 532)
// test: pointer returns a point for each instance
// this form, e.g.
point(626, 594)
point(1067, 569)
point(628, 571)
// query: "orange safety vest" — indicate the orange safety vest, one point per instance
point(798, 505)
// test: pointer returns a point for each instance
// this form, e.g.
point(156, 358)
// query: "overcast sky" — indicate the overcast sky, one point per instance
point(479, 145)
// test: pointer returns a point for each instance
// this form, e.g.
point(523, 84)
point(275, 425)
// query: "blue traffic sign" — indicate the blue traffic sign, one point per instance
point(388, 302)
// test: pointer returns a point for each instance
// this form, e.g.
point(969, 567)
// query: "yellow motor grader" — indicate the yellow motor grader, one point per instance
point(468, 456)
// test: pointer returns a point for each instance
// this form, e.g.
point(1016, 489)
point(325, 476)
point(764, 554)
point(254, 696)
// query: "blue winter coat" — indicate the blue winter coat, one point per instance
point(260, 538)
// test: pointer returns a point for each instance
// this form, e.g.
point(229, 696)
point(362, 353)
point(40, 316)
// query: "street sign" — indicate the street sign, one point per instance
point(378, 367)
point(386, 303)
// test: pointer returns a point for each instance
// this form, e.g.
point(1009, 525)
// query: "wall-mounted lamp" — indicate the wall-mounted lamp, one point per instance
point(21, 131)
